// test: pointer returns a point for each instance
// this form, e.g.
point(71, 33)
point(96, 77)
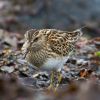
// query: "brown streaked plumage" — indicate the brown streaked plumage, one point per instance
point(49, 47)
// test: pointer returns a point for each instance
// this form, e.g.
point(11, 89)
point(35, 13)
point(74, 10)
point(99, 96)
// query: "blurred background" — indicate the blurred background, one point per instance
point(21, 15)
point(18, 16)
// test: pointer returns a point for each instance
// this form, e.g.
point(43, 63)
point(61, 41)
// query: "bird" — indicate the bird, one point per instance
point(49, 48)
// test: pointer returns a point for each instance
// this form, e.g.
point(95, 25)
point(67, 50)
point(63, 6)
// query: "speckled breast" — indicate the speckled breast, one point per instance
point(37, 58)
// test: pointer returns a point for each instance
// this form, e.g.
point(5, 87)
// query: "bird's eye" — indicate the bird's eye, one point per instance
point(36, 39)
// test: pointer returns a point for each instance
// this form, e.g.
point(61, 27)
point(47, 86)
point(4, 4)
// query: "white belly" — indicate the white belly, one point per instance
point(55, 63)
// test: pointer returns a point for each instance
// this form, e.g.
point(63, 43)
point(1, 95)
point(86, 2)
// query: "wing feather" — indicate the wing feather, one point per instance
point(59, 44)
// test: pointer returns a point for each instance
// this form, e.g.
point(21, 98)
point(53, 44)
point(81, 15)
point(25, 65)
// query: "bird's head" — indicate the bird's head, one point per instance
point(34, 40)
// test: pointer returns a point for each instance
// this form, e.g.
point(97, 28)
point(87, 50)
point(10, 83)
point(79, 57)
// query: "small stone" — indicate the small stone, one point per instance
point(7, 69)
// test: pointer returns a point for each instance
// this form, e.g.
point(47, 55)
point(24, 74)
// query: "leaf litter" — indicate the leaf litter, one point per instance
point(80, 75)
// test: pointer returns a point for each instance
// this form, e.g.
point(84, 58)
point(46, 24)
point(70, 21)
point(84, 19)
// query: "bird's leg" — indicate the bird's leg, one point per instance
point(54, 84)
point(59, 79)
point(52, 78)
